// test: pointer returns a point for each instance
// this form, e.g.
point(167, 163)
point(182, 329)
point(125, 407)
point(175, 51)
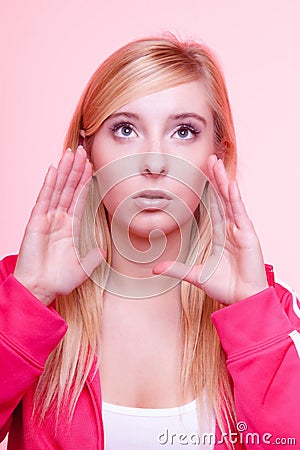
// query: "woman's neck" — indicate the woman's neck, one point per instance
point(132, 262)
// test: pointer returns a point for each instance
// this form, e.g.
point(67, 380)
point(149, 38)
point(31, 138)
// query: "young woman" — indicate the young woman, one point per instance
point(139, 313)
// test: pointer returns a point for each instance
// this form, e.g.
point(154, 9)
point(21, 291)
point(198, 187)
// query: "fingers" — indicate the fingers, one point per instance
point(73, 179)
point(218, 220)
point(230, 194)
point(79, 196)
point(240, 215)
point(77, 206)
point(62, 186)
point(71, 169)
point(63, 171)
point(92, 260)
point(179, 271)
point(45, 195)
point(219, 178)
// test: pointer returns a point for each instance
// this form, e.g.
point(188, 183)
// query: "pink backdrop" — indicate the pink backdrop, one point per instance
point(50, 48)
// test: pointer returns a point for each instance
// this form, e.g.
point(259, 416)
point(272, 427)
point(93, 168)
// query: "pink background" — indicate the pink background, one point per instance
point(50, 48)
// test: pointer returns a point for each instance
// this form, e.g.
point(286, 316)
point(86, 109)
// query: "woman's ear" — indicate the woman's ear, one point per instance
point(86, 145)
point(81, 137)
point(222, 150)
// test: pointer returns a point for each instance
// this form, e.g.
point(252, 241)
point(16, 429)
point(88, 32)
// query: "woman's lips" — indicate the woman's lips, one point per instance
point(152, 199)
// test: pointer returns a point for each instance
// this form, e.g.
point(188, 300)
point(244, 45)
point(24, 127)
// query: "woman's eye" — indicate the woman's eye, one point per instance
point(185, 132)
point(123, 130)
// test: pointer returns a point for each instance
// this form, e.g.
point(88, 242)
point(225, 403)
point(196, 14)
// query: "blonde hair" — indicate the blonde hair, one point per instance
point(137, 69)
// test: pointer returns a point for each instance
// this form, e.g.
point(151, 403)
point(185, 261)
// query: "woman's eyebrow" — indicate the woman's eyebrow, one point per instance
point(180, 116)
point(188, 116)
point(126, 114)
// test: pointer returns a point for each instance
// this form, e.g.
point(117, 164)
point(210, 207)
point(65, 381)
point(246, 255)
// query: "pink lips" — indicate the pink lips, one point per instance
point(152, 199)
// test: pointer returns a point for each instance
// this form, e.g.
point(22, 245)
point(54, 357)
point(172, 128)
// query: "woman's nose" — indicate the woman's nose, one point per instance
point(154, 162)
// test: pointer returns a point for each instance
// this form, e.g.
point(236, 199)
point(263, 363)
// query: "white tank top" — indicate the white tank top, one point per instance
point(177, 428)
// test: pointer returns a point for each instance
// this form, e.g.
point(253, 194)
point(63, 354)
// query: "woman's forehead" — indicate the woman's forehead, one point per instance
point(185, 98)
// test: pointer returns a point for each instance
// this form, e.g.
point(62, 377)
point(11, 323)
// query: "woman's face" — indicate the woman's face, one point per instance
point(150, 150)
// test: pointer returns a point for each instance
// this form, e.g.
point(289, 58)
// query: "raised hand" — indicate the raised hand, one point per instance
point(240, 272)
point(48, 264)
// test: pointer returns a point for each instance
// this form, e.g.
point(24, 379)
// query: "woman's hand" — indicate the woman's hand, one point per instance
point(240, 271)
point(47, 264)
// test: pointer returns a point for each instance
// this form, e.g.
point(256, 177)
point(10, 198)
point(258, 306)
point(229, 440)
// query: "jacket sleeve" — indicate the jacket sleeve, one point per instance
point(29, 331)
point(260, 336)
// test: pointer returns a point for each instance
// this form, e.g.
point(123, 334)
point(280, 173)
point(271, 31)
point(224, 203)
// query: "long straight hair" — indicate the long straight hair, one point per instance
point(137, 69)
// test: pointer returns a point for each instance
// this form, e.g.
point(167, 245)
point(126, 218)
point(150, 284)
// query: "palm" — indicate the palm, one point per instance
point(48, 263)
point(235, 269)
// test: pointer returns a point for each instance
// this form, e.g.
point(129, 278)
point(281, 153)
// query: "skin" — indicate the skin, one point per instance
point(47, 245)
point(132, 354)
point(152, 130)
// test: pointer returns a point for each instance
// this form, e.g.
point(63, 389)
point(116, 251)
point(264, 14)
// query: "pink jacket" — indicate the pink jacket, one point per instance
point(259, 335)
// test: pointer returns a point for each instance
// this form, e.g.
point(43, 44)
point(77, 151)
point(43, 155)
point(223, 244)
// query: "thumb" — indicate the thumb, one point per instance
point(179, 270)
point(92, 260)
